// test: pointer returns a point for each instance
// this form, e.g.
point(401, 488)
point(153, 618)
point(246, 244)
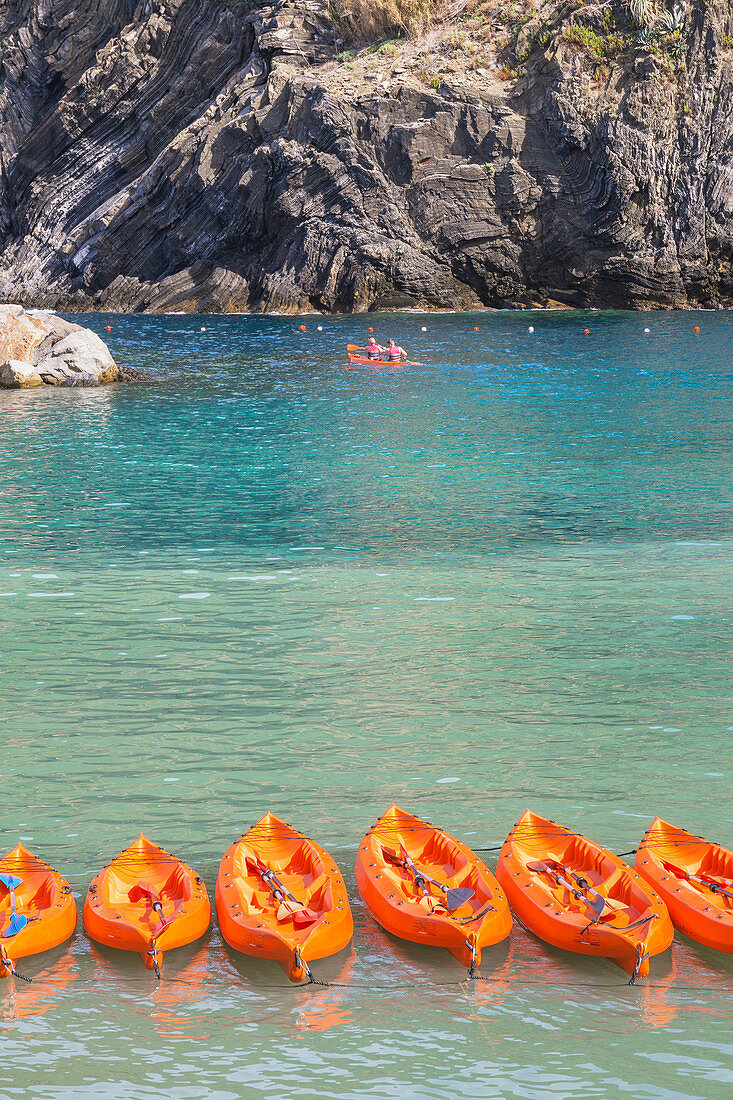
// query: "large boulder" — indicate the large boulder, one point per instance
point(38, 347)
point(81, 352)
point(17, 375)
point(20, 334)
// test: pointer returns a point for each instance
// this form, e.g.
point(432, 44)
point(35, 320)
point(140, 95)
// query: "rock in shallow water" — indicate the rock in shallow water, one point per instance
point(17, 375)
point(39, 347)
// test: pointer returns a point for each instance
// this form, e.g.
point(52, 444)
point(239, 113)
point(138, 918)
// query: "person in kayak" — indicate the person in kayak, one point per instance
point(373, 350)
point(395, 352)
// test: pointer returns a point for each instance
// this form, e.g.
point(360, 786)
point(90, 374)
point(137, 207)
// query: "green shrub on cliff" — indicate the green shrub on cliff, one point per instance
point(597, 46)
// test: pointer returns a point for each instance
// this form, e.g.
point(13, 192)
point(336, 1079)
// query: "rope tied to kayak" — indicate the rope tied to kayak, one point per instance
point(9, 965)
point(153, 953)
point(641, 957)
point(300, 961)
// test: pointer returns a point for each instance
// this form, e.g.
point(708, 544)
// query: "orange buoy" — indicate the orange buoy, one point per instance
point(302, 328)
point(35, 900)
point(109, 328)
point(371, 329)
point(425, 886)
point(280, 896)
point(475, 328)
point(697, 328)
point(695, 880)
point(576, 895)
point(148, 901)
point(586, 331)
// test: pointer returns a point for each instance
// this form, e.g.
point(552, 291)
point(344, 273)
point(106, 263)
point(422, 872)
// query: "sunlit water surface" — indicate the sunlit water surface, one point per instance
point(498, 579)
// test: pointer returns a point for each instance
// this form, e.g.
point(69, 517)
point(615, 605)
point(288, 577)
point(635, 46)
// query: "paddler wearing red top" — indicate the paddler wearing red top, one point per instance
point(373, 350)
point(395, 352)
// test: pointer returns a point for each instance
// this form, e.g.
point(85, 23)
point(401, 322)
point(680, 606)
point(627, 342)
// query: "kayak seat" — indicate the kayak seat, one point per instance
point(586, 860)
point(178, 885)
point(319, 894)
point(303, 864)
point(716, 863)
point(441, 857)
point(43, 897)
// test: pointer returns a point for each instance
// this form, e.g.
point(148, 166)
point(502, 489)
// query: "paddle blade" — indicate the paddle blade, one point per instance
point(393, 857)
point(299, 915)
point(11, 881)
point(458, 896)
point(353, 347)
point(305, 916)
point(678, 872)
point(596, 902)
point(16, 924)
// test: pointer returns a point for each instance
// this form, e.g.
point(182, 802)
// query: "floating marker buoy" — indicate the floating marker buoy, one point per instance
point(109, 328)
point(302, 328)
point(320, 328)
point(586, 331)
point(371, 329)
point(424, 328)
point(697, 328)
point(531, 328)
point(475, 328)
point(646, 330)
point(203, 329)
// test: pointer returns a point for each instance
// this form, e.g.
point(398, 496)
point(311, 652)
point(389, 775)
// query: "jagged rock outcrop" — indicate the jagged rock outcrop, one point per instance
point(204, 154)
point(39, 347)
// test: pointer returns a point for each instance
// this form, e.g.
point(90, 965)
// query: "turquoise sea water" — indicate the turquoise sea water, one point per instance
point(270, 581)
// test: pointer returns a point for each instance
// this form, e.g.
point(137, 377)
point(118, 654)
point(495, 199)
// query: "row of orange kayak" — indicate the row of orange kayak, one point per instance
point(280, 896)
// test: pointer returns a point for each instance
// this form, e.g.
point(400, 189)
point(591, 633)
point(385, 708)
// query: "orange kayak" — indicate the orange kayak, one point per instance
point(148, 901)
point(425, 886)
point(280, 896)
point(576, 895)
point(695, 880)
point(37, 909)
point(362, 359)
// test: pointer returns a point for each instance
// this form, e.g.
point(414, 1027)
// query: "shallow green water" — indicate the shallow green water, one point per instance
point(497, 580)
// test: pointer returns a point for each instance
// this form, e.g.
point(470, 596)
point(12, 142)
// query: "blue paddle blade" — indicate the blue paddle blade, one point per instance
point(11, 881)
point(17, 924)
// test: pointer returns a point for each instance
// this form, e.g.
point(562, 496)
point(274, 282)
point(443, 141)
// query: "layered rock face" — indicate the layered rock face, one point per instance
point(40, 348)
point(198, 154)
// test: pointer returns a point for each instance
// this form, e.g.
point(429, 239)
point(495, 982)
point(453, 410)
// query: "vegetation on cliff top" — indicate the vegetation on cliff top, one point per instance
point(508, 36)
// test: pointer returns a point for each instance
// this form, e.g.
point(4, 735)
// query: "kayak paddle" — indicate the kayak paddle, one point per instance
point(712, 884)
point(455, 896)
point(595, 902)
point(289, 904)
point(18, 921)
point(610, 903)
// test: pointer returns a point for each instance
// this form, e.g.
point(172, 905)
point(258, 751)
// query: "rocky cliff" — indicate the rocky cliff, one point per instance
point(218, 155)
